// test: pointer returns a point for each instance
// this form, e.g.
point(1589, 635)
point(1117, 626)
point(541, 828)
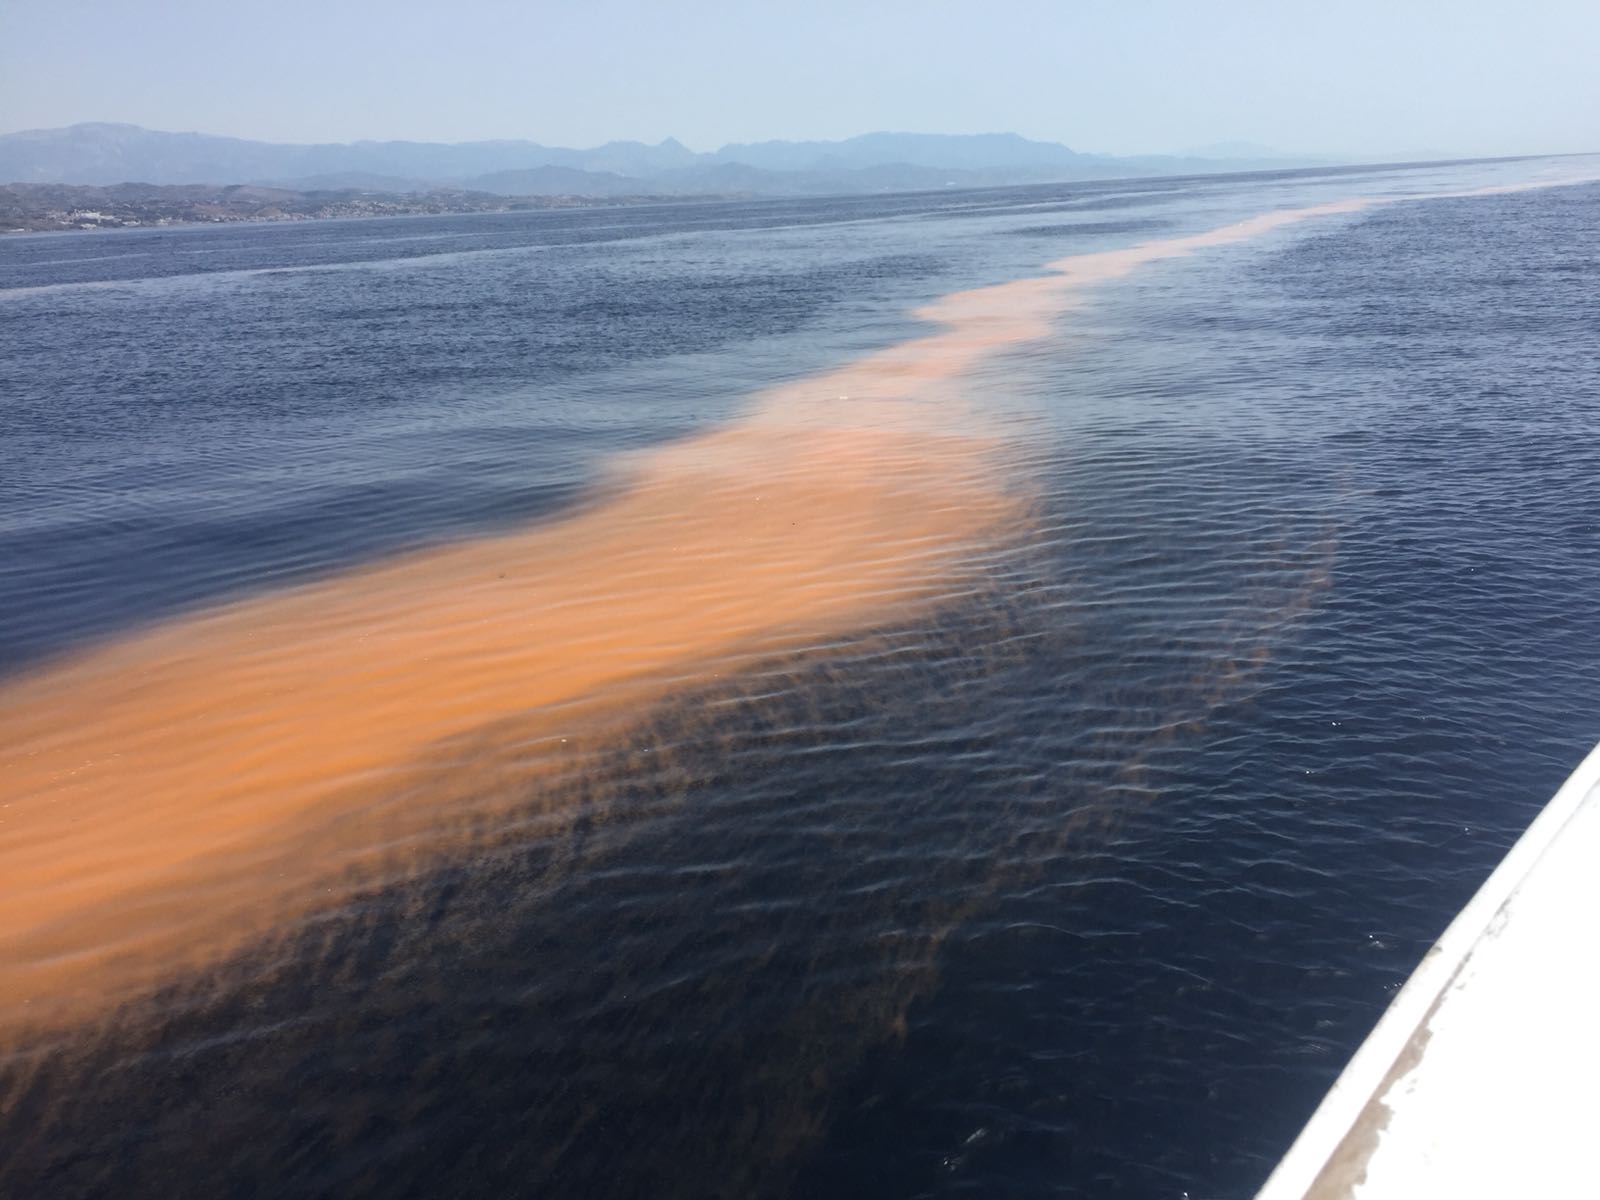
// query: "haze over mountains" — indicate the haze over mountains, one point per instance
point(99, 153)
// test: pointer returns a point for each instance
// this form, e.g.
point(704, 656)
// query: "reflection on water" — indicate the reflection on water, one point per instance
point(593, 858)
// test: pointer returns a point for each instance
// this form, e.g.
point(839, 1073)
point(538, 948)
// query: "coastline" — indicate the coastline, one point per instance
point(65, 208)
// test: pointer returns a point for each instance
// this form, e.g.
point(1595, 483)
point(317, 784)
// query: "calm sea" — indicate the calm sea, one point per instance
point(1043, 796)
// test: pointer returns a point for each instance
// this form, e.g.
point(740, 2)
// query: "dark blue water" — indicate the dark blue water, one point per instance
point(1085, 884)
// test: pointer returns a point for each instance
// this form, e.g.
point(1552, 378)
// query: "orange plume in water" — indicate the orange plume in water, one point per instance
point(171, 796)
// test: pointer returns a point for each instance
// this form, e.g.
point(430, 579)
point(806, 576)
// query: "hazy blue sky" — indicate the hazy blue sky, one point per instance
point(1357, 76)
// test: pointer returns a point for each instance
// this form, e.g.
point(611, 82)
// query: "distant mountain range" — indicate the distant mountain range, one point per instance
point(103, 154)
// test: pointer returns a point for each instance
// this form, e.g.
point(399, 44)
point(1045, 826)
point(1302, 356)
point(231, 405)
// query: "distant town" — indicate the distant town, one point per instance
point(37, 207)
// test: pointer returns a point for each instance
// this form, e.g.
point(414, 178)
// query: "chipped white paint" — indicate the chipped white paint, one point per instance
point(1480, 1079)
